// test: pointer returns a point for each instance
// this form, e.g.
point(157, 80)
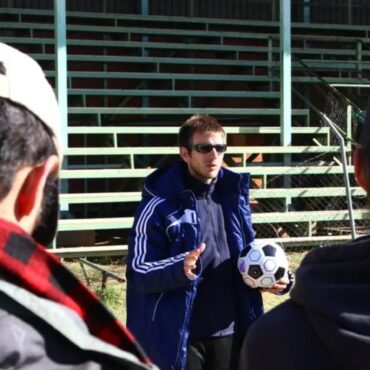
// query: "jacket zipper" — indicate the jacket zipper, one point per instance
point(191, 300)
point(211, 216)
point(186, 323)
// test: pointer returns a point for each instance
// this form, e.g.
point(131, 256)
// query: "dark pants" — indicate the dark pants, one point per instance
point(214, 353)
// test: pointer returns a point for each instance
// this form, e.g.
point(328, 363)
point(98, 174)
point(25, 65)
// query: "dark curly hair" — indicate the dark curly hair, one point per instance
point(24, 141)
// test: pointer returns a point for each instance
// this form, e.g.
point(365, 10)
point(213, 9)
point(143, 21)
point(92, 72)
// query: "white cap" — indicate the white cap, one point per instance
point(25, 83)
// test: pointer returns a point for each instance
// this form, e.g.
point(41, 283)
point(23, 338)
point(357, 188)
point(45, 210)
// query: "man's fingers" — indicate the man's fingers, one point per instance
point(201, 248)
point(198, 251)
point(190, 275)
point(190, 261)
point(284, 281)
point(277, 287)
point(189, 266)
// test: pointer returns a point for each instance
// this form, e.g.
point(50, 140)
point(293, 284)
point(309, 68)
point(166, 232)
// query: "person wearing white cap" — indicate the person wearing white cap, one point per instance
point(48, 319)
point(325, 325)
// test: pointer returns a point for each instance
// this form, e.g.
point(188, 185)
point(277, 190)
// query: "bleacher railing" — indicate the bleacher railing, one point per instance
point(132, 81)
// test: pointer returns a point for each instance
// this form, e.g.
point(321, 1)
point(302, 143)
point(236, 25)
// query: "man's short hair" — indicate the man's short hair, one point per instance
point(198, 123)
point(24, 141)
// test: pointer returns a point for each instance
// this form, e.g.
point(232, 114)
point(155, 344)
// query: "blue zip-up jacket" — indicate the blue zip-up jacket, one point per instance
point(159, 296)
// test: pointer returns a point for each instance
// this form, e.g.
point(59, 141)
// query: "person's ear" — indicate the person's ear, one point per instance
point(184, 154)
point(30, 195)
point(359, 168)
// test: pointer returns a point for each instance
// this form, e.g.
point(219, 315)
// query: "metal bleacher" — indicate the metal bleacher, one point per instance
point(132, 80)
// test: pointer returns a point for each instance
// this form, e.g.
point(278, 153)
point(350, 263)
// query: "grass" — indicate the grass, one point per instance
point(114, 292)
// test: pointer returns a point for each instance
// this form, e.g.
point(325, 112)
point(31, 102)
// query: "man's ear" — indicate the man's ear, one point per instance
point(31, 192)
point(184, 154)
point(359, 168)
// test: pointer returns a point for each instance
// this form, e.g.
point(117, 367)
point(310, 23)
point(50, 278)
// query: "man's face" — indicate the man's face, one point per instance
point(204, 166)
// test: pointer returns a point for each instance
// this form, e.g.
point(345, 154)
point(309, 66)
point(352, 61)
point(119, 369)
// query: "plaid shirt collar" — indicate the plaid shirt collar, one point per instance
point(28, 265)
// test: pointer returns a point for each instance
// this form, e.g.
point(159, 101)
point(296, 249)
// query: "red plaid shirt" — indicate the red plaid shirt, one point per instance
point(28, 265)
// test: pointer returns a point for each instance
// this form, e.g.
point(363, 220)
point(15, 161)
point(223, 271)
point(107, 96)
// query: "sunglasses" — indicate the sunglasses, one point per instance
point(206, 148)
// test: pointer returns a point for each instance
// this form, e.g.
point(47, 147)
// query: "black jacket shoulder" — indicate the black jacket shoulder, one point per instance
point(283, 339)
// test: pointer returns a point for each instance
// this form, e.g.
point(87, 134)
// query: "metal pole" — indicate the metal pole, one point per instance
point(61, 79)
point(286, 86)
point(306, 11)
point(345, 172)
point(102, 269)
point(61, 65)
point(285, 74)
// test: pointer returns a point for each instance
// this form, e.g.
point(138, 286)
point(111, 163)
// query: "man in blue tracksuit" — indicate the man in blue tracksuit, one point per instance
point(186, 301)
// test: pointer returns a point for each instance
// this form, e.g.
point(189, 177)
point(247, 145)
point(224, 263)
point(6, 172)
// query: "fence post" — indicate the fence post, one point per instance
point(345, 173)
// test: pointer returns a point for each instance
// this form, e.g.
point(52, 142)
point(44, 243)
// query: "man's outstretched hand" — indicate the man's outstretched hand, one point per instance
point(190, 261)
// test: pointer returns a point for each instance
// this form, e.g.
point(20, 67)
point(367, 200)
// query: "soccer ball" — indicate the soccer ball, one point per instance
point(262, 264)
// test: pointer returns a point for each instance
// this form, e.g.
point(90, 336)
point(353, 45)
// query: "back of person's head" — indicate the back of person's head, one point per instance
point(29, 123)
point(197, 123)
point(361, 155)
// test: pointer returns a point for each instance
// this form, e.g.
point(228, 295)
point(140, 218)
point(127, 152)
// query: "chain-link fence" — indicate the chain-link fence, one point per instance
point(311, 202)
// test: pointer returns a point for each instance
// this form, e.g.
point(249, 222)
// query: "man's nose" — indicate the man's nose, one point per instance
point(214, 153)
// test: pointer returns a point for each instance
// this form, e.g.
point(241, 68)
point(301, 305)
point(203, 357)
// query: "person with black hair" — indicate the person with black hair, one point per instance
point(325, 325)
point(48, 318)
